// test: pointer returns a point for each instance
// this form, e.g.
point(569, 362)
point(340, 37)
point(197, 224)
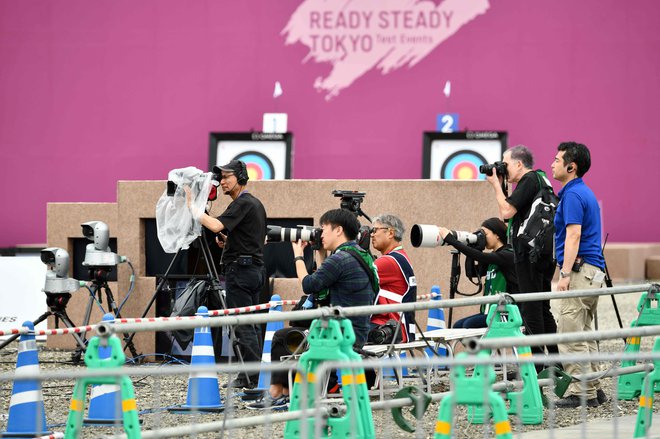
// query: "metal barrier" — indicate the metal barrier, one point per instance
point(321, 417)
point(106, 328)
point(320, 411)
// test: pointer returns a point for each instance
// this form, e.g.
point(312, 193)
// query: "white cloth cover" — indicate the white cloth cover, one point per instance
point(177, 226)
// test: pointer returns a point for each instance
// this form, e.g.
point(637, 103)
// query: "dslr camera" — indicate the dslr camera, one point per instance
point(428, 235)
point(498, 167)
point(384, 334)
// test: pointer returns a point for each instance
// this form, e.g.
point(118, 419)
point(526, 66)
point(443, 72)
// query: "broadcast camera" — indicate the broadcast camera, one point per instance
point(302, 233)
point(99, 254)
point(499, 168)
point(197, 180)
point(428, 235)
point(57, 276)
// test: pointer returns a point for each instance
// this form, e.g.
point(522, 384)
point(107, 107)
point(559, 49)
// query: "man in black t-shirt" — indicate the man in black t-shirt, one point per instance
point(244, 227)
point(532, 276)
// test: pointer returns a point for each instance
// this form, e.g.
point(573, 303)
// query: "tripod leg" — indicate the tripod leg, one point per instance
point(618, 316)
point(128, 339)
point(61, 314)
point(159, 287)
point(40, 319)
point(82, 343)
point(90, 302)
point(453, 282)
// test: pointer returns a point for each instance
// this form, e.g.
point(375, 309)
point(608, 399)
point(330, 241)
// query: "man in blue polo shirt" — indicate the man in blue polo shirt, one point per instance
point(581, 263)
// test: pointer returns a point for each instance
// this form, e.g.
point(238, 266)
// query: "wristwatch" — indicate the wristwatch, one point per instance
point(299, 258)
point(563, 275)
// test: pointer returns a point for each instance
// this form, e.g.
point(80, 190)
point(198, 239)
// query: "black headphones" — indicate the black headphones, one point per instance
point(242, 177)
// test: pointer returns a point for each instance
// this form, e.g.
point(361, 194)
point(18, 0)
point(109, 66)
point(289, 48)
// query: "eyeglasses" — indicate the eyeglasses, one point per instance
point(375, 229)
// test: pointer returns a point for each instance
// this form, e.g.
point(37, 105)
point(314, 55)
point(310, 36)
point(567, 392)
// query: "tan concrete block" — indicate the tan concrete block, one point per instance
point(653, 268)
point(628, 260)
point(460, 205)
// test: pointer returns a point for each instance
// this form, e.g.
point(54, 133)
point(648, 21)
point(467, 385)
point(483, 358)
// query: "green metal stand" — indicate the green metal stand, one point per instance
point(332, 340)
point(526, 403)
point(645, 413)
point(128, 405)
point(630, 385)
point(472, 391)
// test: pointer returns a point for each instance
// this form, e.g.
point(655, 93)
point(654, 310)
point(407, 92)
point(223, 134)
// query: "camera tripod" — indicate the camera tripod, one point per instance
point(99, 275)
point(213, 280)
point(352, 201)
point(56, 307)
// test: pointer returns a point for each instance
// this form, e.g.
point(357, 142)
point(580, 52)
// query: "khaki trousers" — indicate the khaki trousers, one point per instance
point(577, 315)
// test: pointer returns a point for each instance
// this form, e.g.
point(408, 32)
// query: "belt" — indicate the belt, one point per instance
point(261, 264)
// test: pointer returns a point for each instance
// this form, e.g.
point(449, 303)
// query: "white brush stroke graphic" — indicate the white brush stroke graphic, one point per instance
point(356, 36)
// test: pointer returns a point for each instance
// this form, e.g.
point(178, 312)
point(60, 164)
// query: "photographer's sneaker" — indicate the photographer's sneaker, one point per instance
point(601, 396)
point(574, 401)
point(269, 403)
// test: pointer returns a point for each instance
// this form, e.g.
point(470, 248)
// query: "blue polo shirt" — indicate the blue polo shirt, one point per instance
point(578, 205)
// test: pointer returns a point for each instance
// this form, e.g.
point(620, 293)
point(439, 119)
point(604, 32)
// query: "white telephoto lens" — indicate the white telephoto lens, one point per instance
point(425, 235)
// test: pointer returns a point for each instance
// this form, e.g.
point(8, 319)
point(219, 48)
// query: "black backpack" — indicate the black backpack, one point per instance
point(537, 231)
point(192, 297)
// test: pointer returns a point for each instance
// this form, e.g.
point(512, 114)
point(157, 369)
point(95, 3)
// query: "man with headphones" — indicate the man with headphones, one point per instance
point(581, 263)
point(241, 231)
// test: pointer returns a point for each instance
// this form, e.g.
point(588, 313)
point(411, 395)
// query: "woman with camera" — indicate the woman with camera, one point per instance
point(501, 272)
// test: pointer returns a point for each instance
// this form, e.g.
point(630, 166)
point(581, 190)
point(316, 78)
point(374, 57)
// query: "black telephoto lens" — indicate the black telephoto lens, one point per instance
point(486, 169)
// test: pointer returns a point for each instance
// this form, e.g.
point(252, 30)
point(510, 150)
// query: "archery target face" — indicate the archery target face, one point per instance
point(259, 167)
point(265, 160)
point(460, 159)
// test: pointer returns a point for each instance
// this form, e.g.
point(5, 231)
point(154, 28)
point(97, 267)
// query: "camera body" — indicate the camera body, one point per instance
point(499, 167)
point(57, 276)
point(428, 235)
point(384, 334)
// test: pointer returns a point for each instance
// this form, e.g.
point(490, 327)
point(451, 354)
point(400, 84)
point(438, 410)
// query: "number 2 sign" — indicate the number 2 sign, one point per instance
point(447, 122)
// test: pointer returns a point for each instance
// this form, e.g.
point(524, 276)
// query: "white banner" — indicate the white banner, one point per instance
point(21, 280)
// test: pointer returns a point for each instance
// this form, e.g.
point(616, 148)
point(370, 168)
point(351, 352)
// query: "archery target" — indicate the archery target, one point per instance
point(264, 159)
point(259, 167)
point(462, 165)
point(460, 159)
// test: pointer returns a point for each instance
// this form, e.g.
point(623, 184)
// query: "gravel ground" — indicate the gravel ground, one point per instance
point(153, 393)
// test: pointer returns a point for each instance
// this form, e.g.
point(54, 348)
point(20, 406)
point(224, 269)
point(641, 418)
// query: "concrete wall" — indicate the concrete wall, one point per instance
point(456, 204)
point(459, 205)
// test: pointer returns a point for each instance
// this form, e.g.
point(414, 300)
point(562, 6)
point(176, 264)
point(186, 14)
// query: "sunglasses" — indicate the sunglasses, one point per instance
point(375, 229)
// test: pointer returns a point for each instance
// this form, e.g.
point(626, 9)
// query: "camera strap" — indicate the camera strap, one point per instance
point(370, 270)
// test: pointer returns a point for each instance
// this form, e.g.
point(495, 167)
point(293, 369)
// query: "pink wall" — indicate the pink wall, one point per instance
point(91, 93)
